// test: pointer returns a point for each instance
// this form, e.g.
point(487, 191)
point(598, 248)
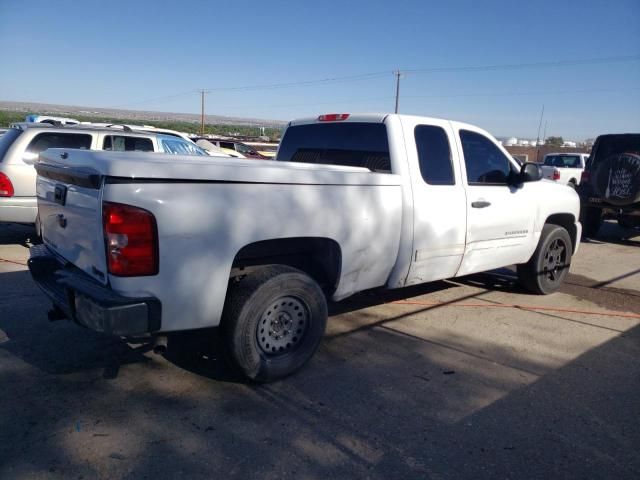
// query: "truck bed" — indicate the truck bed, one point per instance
point(208, 209)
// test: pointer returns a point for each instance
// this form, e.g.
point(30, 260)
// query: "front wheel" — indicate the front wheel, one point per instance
point(544, 272)
point(273, 320)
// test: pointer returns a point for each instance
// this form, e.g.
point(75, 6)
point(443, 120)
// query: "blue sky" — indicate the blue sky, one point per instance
point(154, 55)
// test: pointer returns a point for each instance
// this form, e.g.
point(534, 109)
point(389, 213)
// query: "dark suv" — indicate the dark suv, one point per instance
point(610, 184)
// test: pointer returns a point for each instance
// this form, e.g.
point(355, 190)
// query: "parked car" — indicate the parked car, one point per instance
point(353, 202)
point(213, 149)
point(51, 120)
point(243, 149)
point(564, 168)
point(21, 145)
point(267, 150)
point(610, 186)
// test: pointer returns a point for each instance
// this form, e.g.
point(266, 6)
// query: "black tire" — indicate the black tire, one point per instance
point(273, 322)
point(591, 221)
point(544, 272)
point(573, 184)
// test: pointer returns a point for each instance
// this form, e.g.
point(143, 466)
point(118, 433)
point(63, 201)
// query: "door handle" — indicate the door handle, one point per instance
point(480, 204)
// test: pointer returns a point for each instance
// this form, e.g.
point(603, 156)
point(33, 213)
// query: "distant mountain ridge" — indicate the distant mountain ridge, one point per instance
point(134, 115)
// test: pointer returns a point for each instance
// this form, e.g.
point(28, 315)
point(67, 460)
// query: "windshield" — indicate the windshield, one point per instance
point(6, 140)
point(563, 161)
point(178, 146)
point(351, 144)
point(245, 149)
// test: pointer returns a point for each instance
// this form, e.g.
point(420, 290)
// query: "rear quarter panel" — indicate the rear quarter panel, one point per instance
point(202, 226)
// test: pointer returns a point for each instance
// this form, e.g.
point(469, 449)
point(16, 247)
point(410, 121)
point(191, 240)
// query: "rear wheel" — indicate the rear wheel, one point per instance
point(591, 221)
point(629, 221)
point(544, 272)
point(273, 322)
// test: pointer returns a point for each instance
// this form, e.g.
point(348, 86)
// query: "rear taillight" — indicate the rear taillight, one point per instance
point(556, 175)
point(131, 238)
point(6, 187)
point(585, 176)
point(333, 117)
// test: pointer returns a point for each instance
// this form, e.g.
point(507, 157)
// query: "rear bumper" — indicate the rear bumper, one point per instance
point(612, 210)
point(18, 209)
point(89, 303)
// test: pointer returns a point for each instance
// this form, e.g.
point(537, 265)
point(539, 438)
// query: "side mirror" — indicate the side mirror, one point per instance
point(29, 158)
point(530, 172)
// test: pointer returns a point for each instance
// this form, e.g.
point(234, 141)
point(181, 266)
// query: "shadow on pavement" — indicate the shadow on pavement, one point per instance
point(55, 348)
point(611, 232)
point(377, 404)
point(15, 233)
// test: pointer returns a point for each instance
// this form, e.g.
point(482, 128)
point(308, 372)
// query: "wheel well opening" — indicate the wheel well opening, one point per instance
point(318, 257)
point(568, 222)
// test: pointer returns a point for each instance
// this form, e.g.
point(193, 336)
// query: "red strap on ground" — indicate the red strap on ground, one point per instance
point(522, 307)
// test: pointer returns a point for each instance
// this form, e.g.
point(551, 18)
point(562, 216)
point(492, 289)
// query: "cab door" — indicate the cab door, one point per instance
point(439, 201)
point(500, 212)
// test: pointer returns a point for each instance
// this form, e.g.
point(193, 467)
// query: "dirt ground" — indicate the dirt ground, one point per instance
point(470, 378)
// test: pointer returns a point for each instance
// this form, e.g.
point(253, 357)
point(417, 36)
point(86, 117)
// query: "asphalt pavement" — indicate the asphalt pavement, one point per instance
point(468, 378)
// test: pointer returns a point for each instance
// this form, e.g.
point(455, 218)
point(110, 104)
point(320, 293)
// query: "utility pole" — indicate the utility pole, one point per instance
point(539, 126)
point(544, 135)
point(202, 92)
point(397, 73)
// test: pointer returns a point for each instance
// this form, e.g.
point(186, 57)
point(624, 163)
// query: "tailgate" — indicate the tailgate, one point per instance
point(70, 211)
point(547, 171)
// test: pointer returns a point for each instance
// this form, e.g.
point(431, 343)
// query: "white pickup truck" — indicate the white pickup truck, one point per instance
point(564, 168)
point(142, 244)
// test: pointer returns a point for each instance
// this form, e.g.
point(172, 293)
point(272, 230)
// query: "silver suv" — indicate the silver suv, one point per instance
point(21, 145)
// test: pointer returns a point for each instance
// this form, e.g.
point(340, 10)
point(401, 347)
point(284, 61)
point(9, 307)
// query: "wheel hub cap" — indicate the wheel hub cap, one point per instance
point(282, 325)
point(554, 260)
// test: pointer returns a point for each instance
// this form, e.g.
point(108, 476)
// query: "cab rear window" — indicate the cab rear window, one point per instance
point(351, 144)
point(608, 145)
point(6, 140)
point(42, 141)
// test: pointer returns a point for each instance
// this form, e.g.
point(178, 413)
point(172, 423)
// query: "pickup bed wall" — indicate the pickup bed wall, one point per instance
point(202, 227)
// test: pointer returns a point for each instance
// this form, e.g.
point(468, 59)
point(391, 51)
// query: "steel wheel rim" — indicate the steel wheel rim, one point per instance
point(555, 260)
point(282, 325)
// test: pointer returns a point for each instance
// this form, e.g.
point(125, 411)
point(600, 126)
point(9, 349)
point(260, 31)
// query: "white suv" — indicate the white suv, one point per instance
point(21, 145)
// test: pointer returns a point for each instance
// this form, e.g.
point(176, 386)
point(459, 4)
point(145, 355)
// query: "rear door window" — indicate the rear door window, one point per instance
point(351, 144)
point(122, 143)
point(434, 155)
point(45, 140)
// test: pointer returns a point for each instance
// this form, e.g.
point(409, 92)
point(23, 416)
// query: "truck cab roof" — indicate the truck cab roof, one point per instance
point(376, 118)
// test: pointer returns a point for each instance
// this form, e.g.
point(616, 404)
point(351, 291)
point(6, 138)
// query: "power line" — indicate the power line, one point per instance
point(464, 95)
point(381, 74)
point(524, 94)
point(518, 66)
point(304, 83)
point(156, 99)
